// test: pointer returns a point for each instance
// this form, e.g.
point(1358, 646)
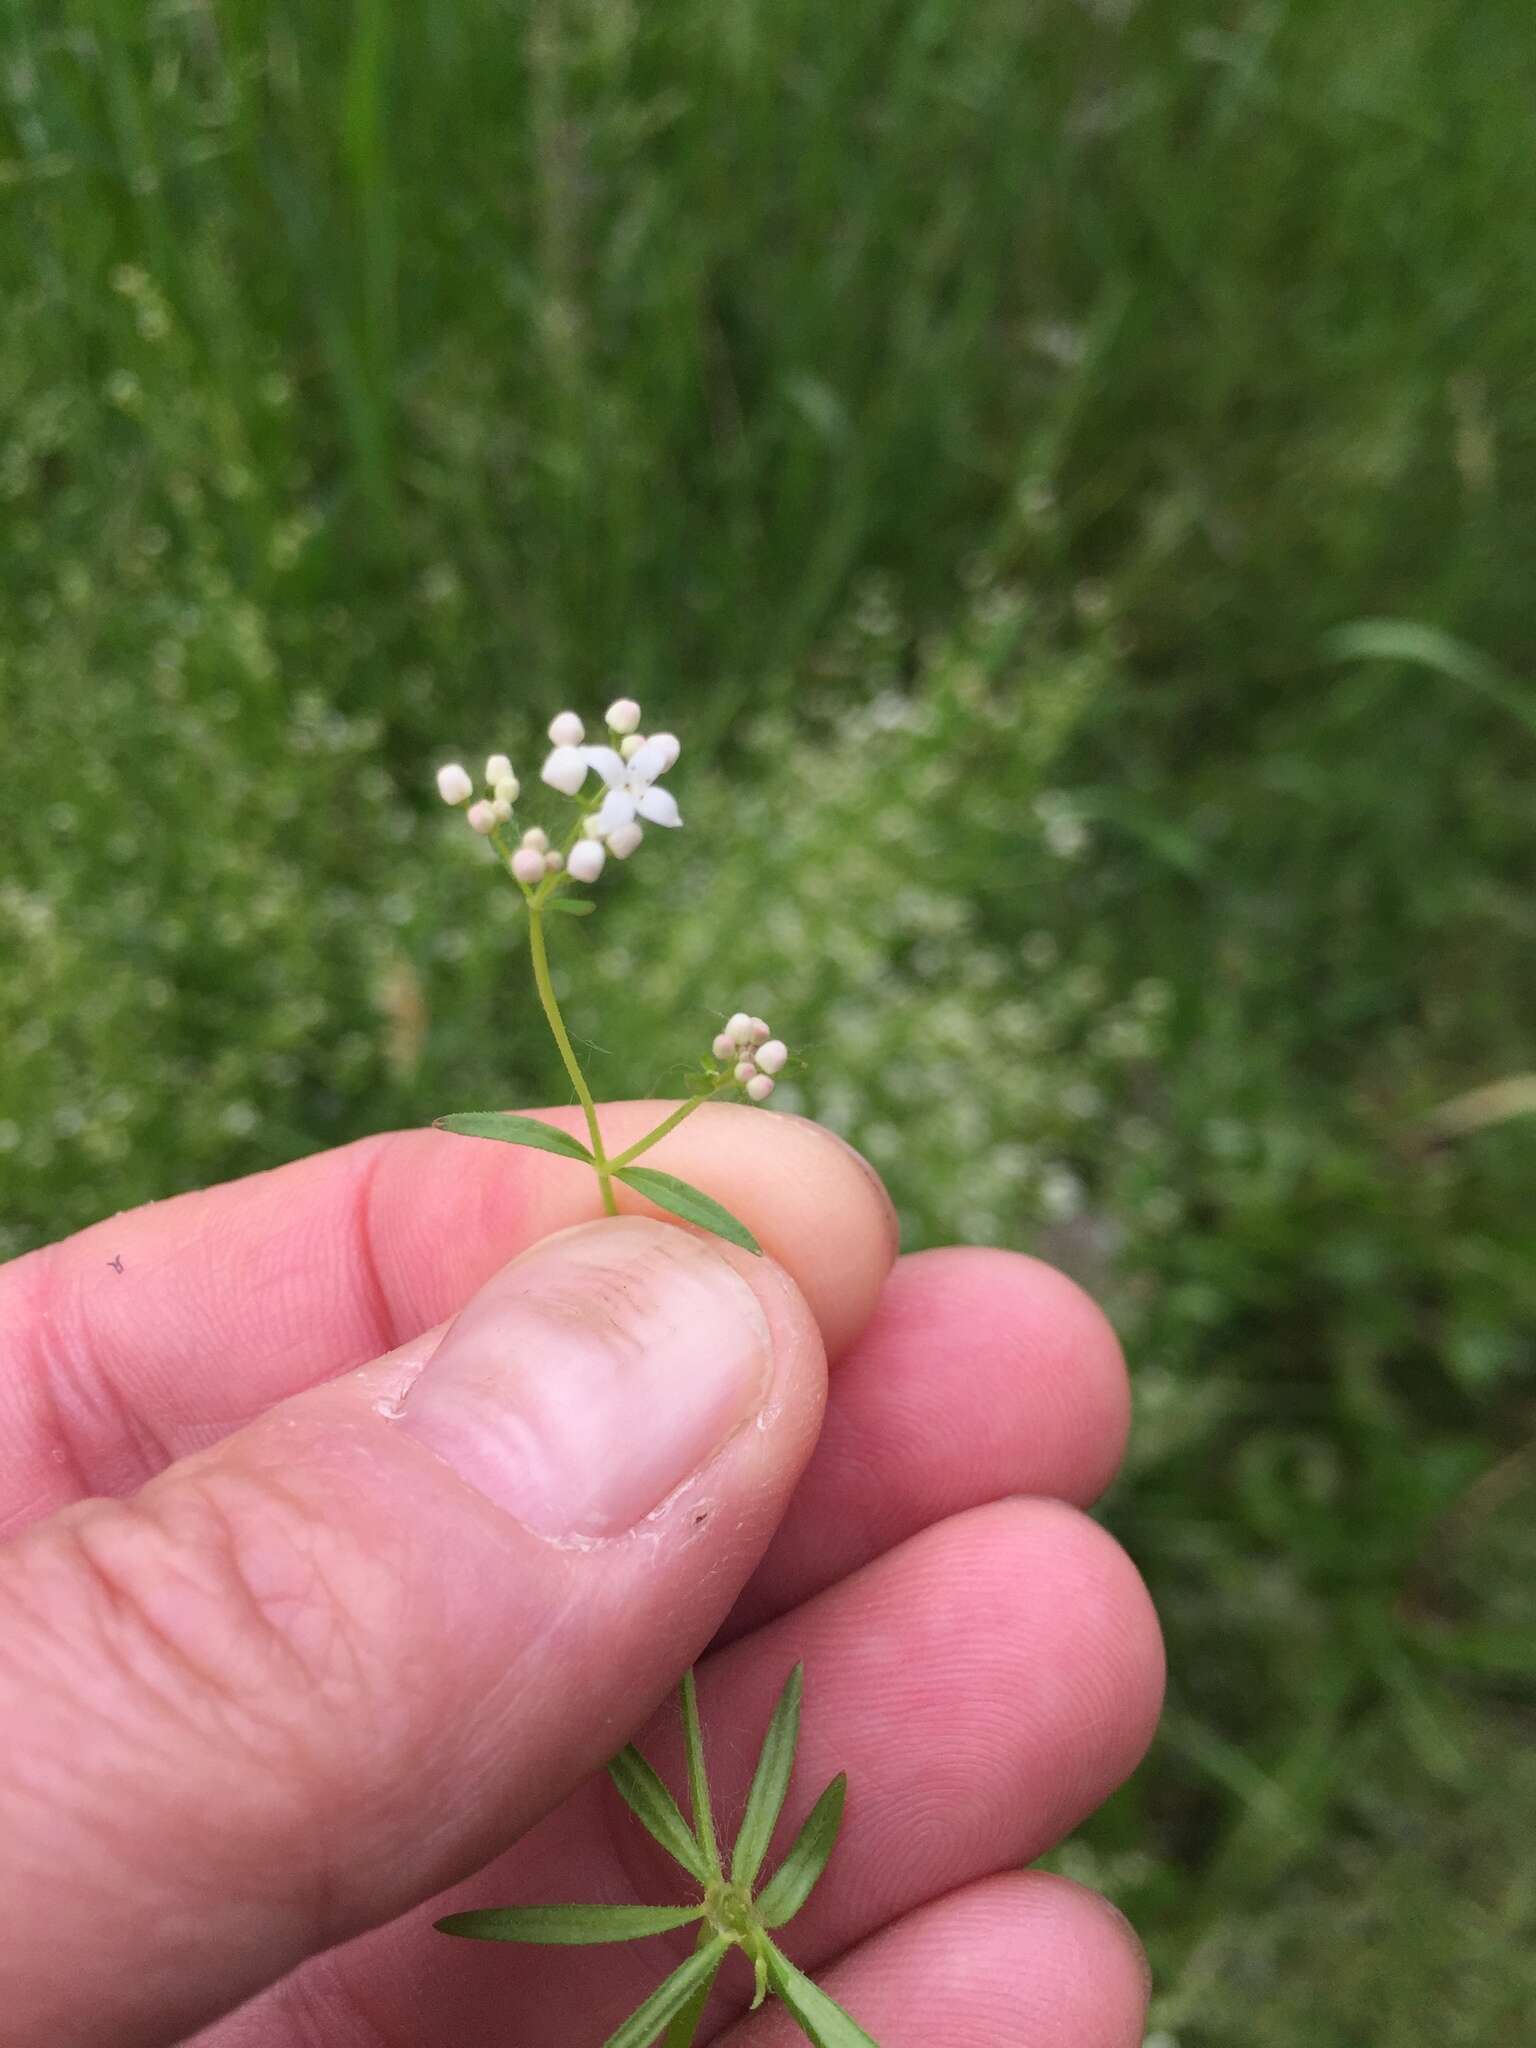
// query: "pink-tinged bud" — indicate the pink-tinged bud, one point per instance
point(724, 1048)
point(553, 863)
point(498, 769)
point(623, 840)
point(739, 1028)
point(567, 730)
point(745, 1071)
point(528, 866)
point(453, 783)
point(759, 1031)
point(771, 1057)
point(671, 746)
point(482, 817)
point(760, 1088)
point(586, 861)
point(623, 715)
point(537, 838)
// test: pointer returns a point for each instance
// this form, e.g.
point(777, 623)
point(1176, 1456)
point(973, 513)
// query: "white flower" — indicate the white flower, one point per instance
point(453, 783)
point(771, 1057)
point(669, 747)
point(586, 861)
point(759, 1088)
point(565, 768)
point(482, 817)
point(498, 769)
point(528, 866)
point(623, 840)
point(630, 791)
point(623, 715)
point(566, 730)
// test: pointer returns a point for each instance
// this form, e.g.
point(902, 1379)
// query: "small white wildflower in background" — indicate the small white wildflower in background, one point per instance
point(482, 817)
point(623, 715)
point(528, 866)
point(498, 769)
point(566, 730)
point(453, 783)
point(586, 861)
point(631, 790)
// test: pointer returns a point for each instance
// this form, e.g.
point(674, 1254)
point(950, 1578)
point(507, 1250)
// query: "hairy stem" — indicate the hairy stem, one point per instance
point(562, 1037)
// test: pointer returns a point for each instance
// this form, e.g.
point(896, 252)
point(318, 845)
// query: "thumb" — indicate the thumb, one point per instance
point(309, 1677)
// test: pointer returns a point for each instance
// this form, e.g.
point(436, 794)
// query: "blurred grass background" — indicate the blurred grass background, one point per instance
point(1069, 472)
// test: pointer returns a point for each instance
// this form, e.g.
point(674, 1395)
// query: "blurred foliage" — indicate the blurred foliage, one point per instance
point(1068, 473)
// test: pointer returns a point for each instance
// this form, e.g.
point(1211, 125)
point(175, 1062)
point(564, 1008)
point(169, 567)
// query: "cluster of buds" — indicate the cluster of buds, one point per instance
point(751, 1054)
point(454, 786)
point(535, 858)
point(629, 768)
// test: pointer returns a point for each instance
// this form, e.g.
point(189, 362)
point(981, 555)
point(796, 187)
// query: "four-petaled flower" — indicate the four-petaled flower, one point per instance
point(631, 785)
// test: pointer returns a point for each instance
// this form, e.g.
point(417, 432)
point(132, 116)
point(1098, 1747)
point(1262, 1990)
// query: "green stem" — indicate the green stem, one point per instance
point(546, 989)
point(670, 1123)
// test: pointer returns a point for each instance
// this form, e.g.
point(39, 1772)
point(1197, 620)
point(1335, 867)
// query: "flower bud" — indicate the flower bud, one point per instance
point(671, 746)
point(537, 838)
point(553, 863)
point(587, 857)
point(771, 1057)
point(567, 730)
point(498, 769)
point(758, 1031)
point(482, 817)
point(724, 1047)
point(745, 1071)
point(565, 770)
point(760, 1088)
point(507, 789)
point(623, 715)
point(590, 828)
point(628, 748)
point(623, 840)
point(528, 866)
point(739, 1028)
point(453, 783)
point(501, 810)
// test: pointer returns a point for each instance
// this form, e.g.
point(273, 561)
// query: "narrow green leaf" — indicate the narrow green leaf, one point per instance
point(795, 1879)
point(821, 2019)
point(512, 1129)
point(689, 1202)
point(770, 1783)
point(669, 1999)
point(572, 906)
point(698, 1781)
point(568, 1926)
point(685, 2024)
point(654, 1807)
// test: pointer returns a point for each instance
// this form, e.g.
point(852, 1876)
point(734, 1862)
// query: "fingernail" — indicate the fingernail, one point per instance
point(593, 1376)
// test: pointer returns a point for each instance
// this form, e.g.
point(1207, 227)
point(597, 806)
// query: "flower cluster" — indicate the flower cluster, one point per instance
point(455, 786)
point(750, 1054)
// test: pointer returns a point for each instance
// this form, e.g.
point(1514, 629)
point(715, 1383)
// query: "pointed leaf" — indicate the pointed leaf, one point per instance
point(698, 1781)
point(568, 1926)
point(572, 906)
point(821, 2019)
point(770, 1783)
point(654, 1807)
point(668, 1999)
point(792, 1883)
point(685, 2023)
point(689, 1202)
point(512, 1129)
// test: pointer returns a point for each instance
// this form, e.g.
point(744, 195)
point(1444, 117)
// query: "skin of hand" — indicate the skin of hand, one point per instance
point(354, 1514)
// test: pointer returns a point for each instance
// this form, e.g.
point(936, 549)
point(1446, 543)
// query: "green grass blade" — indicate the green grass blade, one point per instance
point(770, 1783)
point(568, 1926)
point(821, 2019)
point(689, 1202)
point(512, 1129)
point(698, 1782)
point(657, 1811)
point(796, 1877)
point(670, 1998)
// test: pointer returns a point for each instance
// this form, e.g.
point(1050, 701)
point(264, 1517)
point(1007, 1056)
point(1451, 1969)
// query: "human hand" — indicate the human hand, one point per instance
point(324, 1651)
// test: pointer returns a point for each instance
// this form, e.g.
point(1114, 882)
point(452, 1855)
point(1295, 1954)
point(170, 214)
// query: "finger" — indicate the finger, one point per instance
point(233, 1299)
point(316, 1672)
point(980, 1374)
point(1024, 1959)
point(984, 1687)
